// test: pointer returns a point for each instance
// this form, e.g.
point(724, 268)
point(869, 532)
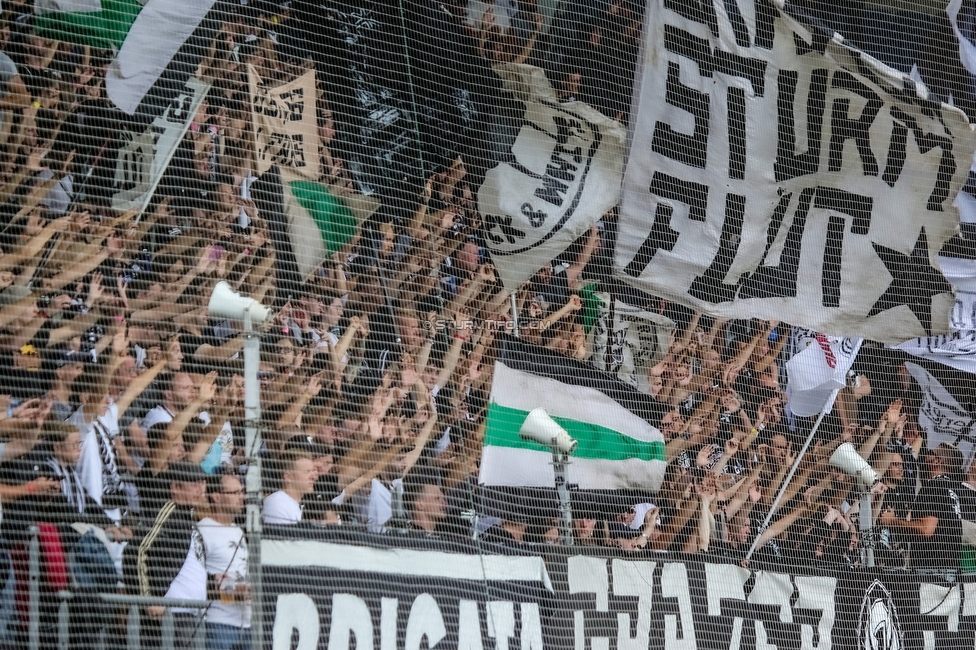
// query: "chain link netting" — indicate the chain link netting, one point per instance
point(463, 324)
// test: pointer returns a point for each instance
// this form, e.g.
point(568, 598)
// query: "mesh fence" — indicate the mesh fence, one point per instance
point(487, 324)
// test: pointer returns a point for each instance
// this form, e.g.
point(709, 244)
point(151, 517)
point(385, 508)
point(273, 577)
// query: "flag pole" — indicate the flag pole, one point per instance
point(515, 323)
point(786, 481)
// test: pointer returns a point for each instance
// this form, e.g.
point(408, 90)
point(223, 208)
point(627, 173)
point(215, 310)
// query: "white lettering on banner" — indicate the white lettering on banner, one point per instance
point(296, 612)
point(531, 627)
point(678, 633)
point(589, 575)
point(469, 626)
point(769, 590)
point(816, 593)
point(389, 610)
point(631, 579)
point(725, 214)
point(406, 622)
point(425, 620)
point(351, 626)
point(501, 622)
point(969, 600)
point(807, 603)
point(726, 582)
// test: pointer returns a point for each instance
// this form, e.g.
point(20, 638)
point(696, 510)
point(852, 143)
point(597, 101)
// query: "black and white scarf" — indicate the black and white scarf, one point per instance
point(71, 485)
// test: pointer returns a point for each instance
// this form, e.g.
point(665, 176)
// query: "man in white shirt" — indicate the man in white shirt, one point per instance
point(229, 615)
point(298, 477)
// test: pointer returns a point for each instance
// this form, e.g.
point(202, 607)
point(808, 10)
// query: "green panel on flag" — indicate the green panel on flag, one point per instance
point(595, 441)
point(103, 29)
point(335, 221)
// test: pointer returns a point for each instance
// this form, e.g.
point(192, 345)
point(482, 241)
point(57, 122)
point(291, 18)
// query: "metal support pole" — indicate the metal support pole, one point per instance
point(560, 464)
point(64, 621)
point(132, 629)
point(515, 324)
point(866, 524)
point(786, 482)
point(34, 591)
point(252, 443)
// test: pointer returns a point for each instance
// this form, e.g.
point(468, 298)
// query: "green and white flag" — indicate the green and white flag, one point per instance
point(321, 220)
point(618, 447)
point(98, 23)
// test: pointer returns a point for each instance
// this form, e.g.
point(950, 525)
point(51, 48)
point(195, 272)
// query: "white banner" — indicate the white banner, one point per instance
point(562, 174)
point(775, 172)
point(635, 342)
point(144, 156)
point(284, 125)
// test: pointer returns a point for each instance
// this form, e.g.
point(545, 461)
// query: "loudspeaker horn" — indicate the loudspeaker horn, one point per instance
point(539, 427)
point(846, 459)
point(227, 303)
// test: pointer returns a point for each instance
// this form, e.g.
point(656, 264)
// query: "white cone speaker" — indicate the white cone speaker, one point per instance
point(227, 303)
point(846, 459)
point(539, 427)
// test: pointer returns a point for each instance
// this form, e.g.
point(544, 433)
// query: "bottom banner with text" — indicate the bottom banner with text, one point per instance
point(406, 593)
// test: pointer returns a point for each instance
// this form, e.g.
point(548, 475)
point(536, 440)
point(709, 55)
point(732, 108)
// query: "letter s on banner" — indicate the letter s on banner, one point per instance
point(297, 612)
point(631, 579)
point(674, 584)
point(589, 575)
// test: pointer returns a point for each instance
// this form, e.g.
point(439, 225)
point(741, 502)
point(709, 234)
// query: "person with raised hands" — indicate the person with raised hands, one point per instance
point(168, 443)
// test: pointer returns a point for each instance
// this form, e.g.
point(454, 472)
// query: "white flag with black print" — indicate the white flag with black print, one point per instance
point(144, 156)
point(561, 174)
point(942, 414)
point(635, 341)
point(817, 369)
point(773, 169)
point(957, 348)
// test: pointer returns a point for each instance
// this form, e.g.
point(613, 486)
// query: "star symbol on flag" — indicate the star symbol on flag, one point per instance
point(913, 281)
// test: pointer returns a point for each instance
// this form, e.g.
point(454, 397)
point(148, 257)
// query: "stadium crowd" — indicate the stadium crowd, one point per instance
point(122, 409)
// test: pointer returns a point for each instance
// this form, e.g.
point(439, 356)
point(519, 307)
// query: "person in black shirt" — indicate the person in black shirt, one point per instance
point(892, 549)
point(425, 503)
point(170, 558)
point(935, 526)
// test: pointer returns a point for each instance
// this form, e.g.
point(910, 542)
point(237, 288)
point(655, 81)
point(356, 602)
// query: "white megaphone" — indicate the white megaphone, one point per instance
point(227, 303)
point(539, 427)
point(846, 459)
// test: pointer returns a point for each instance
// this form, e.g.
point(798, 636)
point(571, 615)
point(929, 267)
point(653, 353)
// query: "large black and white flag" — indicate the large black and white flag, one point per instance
point(561, 174)
point(147, 151)
point(406, 86)
point(776, 170)
point(945, 412)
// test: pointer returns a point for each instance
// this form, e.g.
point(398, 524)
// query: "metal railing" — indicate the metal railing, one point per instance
point(134, 605)
point(133, 627)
